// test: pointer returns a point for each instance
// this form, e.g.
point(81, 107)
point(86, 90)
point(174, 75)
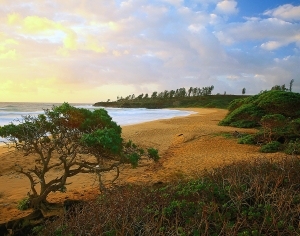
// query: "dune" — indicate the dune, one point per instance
point(187, 145)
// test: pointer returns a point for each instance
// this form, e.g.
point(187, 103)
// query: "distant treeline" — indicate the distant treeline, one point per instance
point(182, 97)
point(178, 93)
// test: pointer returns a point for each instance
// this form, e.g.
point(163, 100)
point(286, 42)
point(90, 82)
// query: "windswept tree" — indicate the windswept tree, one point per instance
point(140, 96)
point(74, 140)
point(243, 91)
point(291, 85)
point(279, 87)
point(154, 95)
point(172, 93)
point(190, 91)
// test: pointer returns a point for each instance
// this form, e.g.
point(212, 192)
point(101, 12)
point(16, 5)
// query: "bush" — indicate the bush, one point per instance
point(260, 197)
point(245, 116)
point(247, 139)
point(274, 112)
point(270, 147)
point(23, 204)
point(293, 147)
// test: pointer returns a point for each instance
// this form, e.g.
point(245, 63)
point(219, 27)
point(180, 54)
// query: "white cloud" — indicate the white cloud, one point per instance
point(273, 33)
point(227, 7)
point(271, 45)
point(143, 44)
point(285, 12)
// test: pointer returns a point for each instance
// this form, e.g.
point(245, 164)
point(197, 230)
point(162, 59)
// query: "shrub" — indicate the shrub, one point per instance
point(293, 147)
point(23, 204)
point(274, 112)
point(260, 197)
point(245, 116)
point(247, 139)
point(270, 147)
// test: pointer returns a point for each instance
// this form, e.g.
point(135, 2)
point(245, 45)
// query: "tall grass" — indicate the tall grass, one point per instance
point(257, 198)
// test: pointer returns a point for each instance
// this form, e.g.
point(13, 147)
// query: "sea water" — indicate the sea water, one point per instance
point(13, 111)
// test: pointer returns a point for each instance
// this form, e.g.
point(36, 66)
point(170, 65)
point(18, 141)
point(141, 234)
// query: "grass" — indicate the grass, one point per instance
point(257, 198)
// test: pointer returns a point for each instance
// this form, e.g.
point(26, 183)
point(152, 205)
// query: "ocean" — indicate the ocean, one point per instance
point(11, 111)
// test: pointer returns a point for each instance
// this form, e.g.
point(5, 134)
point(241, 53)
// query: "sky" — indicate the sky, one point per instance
point(93, 50)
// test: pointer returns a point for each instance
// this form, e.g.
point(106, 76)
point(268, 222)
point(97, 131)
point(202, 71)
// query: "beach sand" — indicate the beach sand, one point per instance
point(187, 145)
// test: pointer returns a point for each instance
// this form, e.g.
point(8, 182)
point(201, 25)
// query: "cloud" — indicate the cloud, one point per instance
point(11, 54)
point(273, 33)
point(286, 12)
point(95, 50)
point(227, 7)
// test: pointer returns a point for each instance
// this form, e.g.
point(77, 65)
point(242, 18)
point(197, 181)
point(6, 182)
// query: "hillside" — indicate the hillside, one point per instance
point(206, 101)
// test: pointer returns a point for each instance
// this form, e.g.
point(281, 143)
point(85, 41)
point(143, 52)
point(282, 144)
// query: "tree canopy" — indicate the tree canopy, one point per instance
point(74, 139)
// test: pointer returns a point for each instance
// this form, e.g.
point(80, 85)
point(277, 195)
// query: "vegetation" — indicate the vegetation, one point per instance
point(257, 198)
point(246, 139)
point(275, 113)
point(75, 141)
point(23, 204)
point(272, 146)
point(193, 97)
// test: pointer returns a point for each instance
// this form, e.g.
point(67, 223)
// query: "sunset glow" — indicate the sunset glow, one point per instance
point(89, 51)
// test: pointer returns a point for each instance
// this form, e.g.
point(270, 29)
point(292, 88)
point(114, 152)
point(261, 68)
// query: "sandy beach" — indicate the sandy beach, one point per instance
point(187, 146)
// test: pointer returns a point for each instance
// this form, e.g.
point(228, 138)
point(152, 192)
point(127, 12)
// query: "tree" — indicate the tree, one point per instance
point(279, 87)
point(291, 84)
point(154, 95)
point(166, 94)
point(243, 91)
point(140, 96)
point(64, 137)
point(172, 93)
point(190, 91)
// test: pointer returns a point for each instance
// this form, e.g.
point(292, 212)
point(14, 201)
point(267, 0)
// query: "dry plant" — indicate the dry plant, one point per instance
point(257, 198)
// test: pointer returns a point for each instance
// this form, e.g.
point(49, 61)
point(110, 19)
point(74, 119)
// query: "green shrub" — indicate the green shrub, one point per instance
point(270, 147)
point(280, 102)
point(153, 154)
point(230, 200)
point(23, 204)
point(247, 139)
point(293, 147)
point(245, 116)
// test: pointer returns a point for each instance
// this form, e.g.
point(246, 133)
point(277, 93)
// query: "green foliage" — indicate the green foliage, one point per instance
point(273, 112)
point(250, 110)
point(270, 147)
point(107, 138)
point(280, 102)
point(247, 139)
point(217, 101)
point(153, 154)
point(134, 159)
point(295, 126)
point(244, 116)
point(23, 204)
point(247, 198)
point(293, 147)
point(64, 135)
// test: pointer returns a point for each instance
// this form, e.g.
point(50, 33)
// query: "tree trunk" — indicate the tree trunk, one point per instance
point(38, 202)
